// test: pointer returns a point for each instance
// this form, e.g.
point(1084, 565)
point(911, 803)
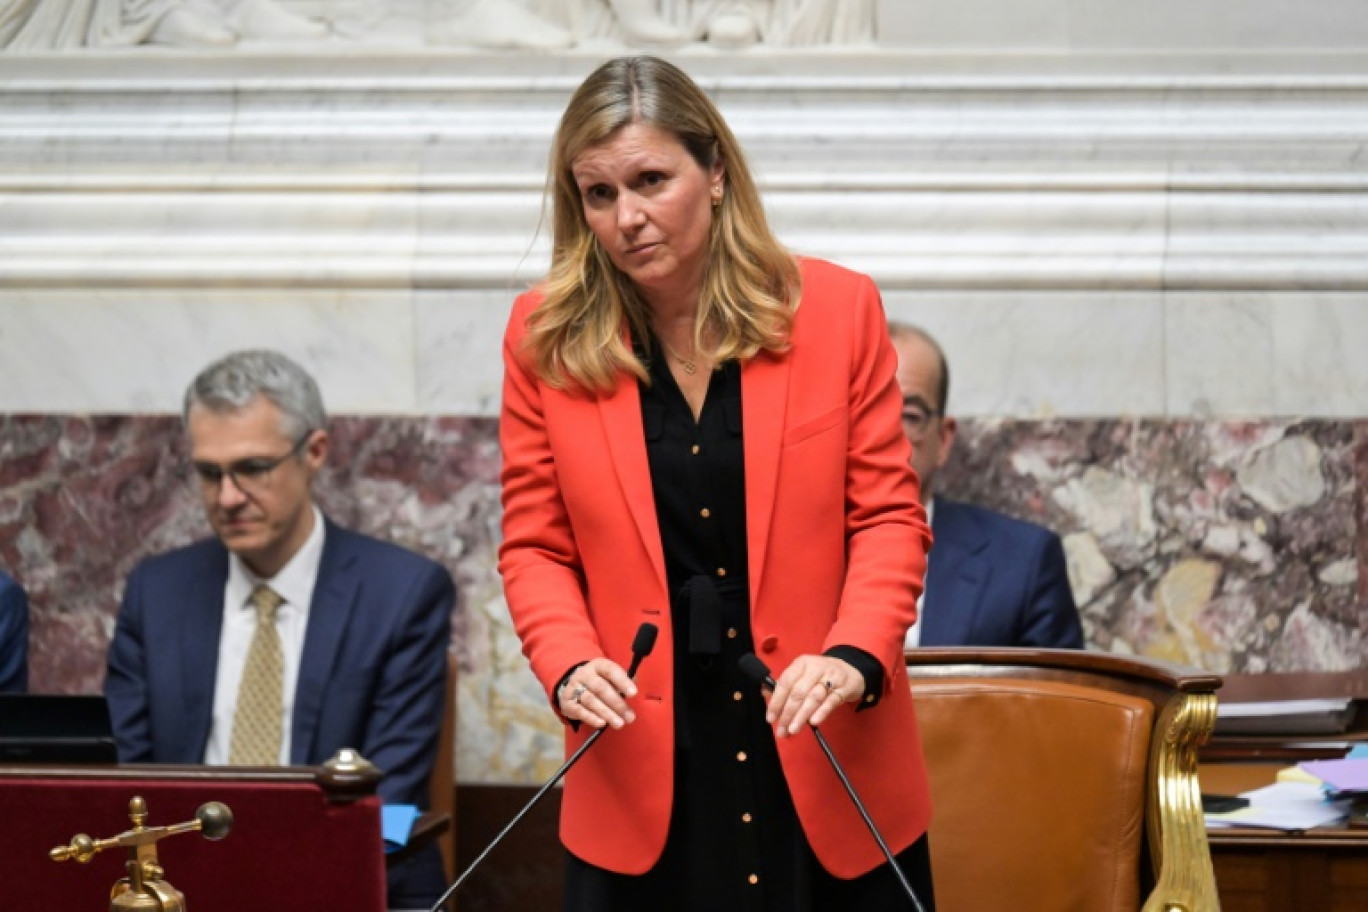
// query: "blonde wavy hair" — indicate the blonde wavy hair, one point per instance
point(751, 283)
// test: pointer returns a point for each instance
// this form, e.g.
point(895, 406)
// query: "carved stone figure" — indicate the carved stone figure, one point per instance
point(800, 22)
point(546, 25)
point(60, 24)
point(643, 23)
point(730, 24)
point(542, 25)
point(505, 25)
point(779, 23)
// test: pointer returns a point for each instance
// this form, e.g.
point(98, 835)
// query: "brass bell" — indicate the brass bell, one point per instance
point(145, 889)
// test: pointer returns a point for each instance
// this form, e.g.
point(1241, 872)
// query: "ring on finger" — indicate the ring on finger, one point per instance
point(577, 693)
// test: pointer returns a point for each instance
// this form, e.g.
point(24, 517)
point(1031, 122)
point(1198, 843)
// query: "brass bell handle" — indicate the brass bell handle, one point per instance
point(82, 849)
point(213, 819)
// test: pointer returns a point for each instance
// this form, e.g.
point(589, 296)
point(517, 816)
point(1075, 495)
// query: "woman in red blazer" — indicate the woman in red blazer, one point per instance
point(702, 432)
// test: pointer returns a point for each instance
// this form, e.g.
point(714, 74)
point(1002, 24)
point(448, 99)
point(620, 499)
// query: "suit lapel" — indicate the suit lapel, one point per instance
point(622, 426)
point(764, 396)
point(764, 400)
point(334, 599)
point(202, 627)
point(955, 578)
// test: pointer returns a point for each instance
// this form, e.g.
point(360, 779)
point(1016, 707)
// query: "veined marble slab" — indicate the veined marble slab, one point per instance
point(1229, 545)
point(93, 351)
point(1023, 353)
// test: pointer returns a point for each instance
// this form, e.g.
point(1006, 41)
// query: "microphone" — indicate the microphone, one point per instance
point(753, 668)
point(642, 644)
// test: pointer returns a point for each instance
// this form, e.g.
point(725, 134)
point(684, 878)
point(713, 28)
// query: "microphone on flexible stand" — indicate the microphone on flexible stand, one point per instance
point(642, 645)
point(753, 668)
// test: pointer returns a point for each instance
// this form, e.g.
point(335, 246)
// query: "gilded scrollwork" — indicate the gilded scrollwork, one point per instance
point(1184, 878)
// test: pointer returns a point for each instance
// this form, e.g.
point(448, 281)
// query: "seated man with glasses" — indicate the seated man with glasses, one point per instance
point(285, 637)
point(991, 580)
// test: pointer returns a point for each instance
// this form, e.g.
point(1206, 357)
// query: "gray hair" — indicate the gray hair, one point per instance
point(233, 381)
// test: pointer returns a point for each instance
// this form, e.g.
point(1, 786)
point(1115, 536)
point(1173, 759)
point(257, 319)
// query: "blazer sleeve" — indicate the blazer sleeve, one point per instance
point(538, 558)
point(1051, 620)
point(886, 531)
point(14, 627)
point(126, 684)
point(405, 717)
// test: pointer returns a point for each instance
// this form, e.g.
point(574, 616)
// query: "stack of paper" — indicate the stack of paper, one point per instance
point(1343, 779)
point(1311, 794)
point(1284, 806)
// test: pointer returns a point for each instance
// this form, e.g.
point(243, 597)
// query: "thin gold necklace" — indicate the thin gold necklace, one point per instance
point(690, 367)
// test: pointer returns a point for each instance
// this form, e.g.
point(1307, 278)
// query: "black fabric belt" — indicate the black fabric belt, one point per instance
point(703, 595)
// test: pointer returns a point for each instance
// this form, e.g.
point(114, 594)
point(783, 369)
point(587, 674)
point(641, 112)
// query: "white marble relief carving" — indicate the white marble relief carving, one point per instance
point(778, 23)
point(42, 25)
point(538, 25)
point(728, 24)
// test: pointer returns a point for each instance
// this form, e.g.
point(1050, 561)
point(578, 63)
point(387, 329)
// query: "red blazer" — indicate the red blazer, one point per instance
point(837, 543)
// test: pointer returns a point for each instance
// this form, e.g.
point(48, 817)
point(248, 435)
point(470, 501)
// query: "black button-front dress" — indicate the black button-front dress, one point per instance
point(734, 842)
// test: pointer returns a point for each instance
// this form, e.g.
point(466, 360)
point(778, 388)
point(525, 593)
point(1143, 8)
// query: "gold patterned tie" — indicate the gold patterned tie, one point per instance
point(257, 719)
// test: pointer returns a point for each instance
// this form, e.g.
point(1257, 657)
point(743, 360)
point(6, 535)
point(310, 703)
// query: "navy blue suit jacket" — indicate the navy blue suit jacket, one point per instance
point(993, 580)
point(14, 626)
point(372, 674)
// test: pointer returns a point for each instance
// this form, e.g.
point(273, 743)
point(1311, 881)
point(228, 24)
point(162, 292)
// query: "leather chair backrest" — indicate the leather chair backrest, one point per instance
point(1038, 794)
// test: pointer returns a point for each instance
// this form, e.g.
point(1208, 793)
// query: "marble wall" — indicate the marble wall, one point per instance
point(1140, 231)
point(1230, 545)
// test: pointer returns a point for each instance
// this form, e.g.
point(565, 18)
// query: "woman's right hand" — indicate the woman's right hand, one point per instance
point(596, 694)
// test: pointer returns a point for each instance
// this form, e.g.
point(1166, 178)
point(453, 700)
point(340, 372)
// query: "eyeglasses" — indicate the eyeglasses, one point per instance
point(916, 420)
point(248, 475)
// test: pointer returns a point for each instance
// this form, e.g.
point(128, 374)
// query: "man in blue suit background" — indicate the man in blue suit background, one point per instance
point(991, 580)
point(286, 637)
point(14, 625)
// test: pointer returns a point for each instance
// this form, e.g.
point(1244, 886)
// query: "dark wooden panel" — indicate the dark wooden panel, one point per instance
point(526, 870)
point(1298, 876)
point(1349, 881)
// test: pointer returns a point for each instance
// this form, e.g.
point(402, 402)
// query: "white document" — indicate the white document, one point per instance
point(1284, 806)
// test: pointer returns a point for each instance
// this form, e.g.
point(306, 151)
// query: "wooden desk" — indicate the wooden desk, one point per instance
point(300, 839)
point(1320, 870)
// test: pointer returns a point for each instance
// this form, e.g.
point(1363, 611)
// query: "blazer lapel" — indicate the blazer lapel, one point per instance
point(764, 400)
point(201, 629)
point(622, 426)
point(955, 578)
point(334, 599)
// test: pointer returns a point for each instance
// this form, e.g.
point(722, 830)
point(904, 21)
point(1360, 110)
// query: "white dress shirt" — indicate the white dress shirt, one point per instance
point(914, 632)
point(295, 584)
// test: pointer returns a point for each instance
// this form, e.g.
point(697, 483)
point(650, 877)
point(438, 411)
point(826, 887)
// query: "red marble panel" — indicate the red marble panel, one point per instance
point(1231, 545)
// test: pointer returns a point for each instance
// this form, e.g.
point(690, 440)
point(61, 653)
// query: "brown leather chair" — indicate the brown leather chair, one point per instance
point(1064, 781)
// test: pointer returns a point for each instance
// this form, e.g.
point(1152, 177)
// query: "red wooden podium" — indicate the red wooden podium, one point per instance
point(300, 839)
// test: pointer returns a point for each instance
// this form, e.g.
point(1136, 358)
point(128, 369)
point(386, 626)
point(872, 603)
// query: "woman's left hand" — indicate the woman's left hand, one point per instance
point(809, 690)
